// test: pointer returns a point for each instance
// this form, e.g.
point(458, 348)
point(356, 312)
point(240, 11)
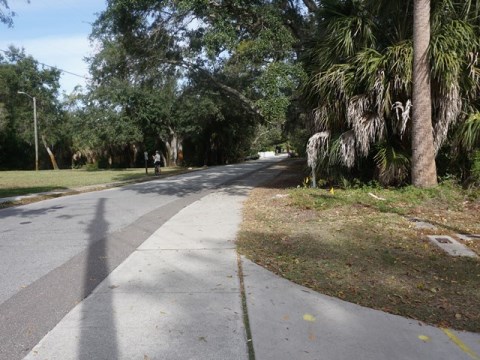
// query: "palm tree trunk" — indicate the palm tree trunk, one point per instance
point(424, 172)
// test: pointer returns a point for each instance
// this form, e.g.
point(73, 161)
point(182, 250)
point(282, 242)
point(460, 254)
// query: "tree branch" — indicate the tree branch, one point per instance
point(248, 104)
point(311, 5)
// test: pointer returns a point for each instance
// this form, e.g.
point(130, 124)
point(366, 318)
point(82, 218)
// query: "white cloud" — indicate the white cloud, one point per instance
point(66, 53)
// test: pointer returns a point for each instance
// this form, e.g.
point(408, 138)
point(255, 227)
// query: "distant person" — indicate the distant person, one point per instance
point(157, 162)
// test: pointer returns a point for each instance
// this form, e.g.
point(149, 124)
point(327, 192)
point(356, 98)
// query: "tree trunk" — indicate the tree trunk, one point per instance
point(168, 153)
point(173, 146)
point(424, 172)
point(52, 156)
point(134, 148)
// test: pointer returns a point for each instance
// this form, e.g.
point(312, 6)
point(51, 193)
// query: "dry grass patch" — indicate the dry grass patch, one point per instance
point(367, 251)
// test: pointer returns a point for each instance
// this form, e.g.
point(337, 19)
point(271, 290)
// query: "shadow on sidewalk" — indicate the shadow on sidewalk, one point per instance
point(97, 269)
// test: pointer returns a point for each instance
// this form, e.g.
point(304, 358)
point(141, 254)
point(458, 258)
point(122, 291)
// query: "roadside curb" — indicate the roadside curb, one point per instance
point(30, 198)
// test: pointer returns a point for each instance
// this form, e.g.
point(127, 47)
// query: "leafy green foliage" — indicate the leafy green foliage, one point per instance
point(476, 168)
point(19, 72)
point(468, 136)
point(393, 166)
point(238, 55)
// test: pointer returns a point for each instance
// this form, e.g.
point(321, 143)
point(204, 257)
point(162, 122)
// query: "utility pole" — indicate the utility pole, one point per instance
point(35, 126)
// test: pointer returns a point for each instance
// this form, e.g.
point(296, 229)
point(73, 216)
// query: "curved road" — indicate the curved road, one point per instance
point(55, 252)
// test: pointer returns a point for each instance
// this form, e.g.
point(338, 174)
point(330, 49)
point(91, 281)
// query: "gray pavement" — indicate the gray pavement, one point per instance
point(179, 296)
point(54, 253)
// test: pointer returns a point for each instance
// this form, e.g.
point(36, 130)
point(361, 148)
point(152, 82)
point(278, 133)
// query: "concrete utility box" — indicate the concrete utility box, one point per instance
point(451, 246)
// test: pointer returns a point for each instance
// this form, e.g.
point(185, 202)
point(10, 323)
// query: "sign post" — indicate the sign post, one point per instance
point(146, 161)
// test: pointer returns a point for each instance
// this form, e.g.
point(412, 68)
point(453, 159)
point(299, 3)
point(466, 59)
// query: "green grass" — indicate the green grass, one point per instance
point(15, 183)
point(399, 201)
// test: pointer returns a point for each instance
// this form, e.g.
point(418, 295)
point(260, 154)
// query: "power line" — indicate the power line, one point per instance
point(52, 67)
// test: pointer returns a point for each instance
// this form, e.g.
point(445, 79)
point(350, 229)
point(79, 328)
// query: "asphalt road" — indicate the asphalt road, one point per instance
point(55, 252)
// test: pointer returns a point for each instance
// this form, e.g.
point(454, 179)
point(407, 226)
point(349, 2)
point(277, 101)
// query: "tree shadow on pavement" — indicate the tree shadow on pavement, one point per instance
point(248, 174)
point(97, 269)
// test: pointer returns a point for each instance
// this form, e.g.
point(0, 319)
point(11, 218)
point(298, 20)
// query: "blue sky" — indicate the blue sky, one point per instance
point(54, 32)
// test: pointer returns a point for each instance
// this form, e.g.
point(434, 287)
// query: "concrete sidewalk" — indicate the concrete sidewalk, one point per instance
point(179, 296)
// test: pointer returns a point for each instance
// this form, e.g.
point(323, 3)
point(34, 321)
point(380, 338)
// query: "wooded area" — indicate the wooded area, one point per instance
point(212, 82)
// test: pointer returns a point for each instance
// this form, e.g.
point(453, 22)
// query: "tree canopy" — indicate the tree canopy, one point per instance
point(19, 72)
point(209, 81)
point(243, 54)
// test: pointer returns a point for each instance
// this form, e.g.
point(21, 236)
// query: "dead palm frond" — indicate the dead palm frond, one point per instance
point(403, 117)
point(448, 109)
point(367, 126)
point(317, 148)
point(347, 148)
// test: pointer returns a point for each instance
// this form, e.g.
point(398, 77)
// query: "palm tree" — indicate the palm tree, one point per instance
point(361, 80)
point(424, 172)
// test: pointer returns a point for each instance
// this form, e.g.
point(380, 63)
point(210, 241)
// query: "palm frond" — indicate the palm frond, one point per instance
point(393, 165)
point(473, 69)
point(348, 27)
point(337, 82)
point(450, 47)
point(468, 136)
point(367, 125)
point(403, 116)
point(317, 148)
point(321, 118)
point(447, 109)
point(397, 62)
point(347, 148)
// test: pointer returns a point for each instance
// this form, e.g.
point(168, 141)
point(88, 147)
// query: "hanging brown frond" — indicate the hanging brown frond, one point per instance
point(449, 109)
point(317, 148)
point(320, 118)
point(367, 125)
point(402, 115)
point(347, 148)
point(379, 91)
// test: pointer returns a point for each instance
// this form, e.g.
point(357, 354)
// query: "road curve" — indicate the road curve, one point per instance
point(55, 252)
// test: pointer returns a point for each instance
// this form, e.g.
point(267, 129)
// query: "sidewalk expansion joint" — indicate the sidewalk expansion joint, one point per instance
point(246, 320)
point(190, 249)
point(233, 291)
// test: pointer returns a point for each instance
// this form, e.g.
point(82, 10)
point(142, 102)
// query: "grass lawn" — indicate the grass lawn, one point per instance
point(14, 183)
point(356, 247)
